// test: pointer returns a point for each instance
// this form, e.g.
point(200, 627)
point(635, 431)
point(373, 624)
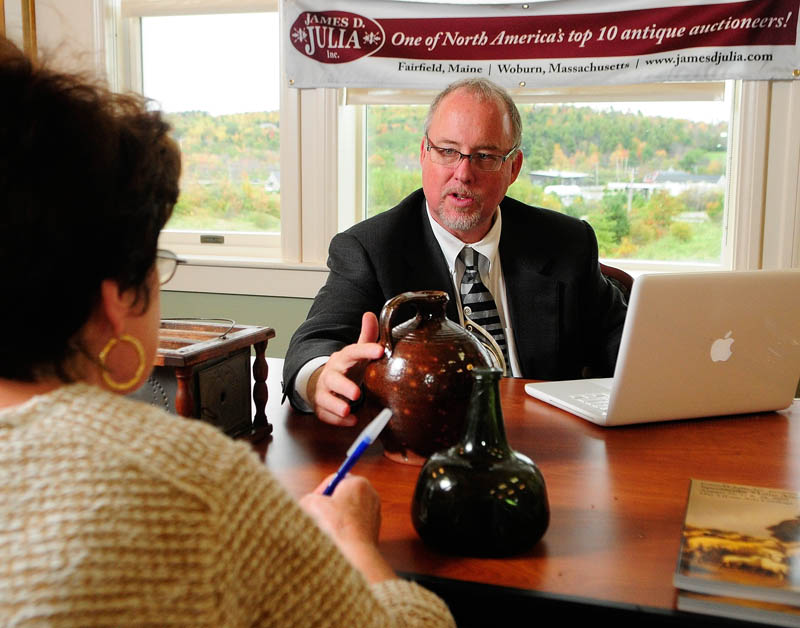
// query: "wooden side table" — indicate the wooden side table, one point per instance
point(202, 370)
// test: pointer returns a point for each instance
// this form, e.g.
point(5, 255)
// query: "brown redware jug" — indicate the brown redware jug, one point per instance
point(424, 377)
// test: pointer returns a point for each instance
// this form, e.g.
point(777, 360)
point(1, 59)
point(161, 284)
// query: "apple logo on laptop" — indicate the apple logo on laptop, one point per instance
point(721, 348)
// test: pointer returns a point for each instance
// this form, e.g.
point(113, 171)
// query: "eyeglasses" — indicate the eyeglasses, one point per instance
point(451, 157)
point(166, 263)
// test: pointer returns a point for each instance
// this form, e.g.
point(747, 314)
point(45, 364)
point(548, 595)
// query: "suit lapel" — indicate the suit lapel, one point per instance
point(533, 299)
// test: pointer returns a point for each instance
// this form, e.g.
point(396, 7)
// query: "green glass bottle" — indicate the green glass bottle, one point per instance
point(480, 497)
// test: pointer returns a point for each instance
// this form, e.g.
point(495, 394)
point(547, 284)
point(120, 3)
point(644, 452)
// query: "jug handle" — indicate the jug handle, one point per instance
point(391, 306)
point(489, 343)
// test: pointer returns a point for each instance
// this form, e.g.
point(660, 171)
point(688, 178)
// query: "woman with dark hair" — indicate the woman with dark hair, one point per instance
point(113, 512)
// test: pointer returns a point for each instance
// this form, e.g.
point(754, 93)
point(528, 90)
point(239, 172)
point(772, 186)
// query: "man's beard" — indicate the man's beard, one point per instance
point(457, 220)
point(462, 221)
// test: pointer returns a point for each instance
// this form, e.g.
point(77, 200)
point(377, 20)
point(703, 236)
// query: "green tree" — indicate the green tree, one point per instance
point(386, 187)
point(652, 219)
point(693, 159)
point(615, 210)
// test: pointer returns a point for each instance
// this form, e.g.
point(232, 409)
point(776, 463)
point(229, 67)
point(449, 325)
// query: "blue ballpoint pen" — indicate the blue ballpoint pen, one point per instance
point(359, 446)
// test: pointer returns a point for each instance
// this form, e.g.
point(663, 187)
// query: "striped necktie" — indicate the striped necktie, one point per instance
point(479, 306)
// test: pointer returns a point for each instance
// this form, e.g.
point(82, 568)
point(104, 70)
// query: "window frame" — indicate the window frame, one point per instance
point(290, 263)
point(762, 201)
point(650, 92)
point(187, 242)
point(762, 204)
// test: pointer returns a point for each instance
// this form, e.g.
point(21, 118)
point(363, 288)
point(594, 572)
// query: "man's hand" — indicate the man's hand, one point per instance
point(334, 385)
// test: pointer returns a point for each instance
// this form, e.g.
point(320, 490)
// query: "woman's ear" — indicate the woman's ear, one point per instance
point(114, 306)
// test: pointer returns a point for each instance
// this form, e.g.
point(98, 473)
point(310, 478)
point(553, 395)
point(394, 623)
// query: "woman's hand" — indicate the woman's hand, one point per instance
point(352, 518)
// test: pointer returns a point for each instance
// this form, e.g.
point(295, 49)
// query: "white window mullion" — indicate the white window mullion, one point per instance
point(745, 203)
point(131, 72)
point(319, 186)
point(699, 91)
point(351, 164)
point(291, 178)
point(782, 199)
point(105, 18)
point(195, 7)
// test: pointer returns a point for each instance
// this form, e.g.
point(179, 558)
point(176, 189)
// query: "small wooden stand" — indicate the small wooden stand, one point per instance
point(203, 371)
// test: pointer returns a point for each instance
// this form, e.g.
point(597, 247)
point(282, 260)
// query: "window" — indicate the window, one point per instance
point(223, 103)
point(216, 77)
point(650, 176)
point(332, 157)
point(256, 241)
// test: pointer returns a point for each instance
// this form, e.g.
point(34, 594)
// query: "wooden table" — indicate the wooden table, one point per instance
point(617, 499)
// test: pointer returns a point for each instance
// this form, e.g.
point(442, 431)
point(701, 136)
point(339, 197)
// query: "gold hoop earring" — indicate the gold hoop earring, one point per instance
point(112, 383)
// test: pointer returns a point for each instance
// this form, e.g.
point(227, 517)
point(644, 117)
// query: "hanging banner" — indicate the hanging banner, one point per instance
point(398, 44)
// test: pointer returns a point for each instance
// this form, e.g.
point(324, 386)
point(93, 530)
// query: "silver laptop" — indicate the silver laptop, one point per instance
point(696, 345)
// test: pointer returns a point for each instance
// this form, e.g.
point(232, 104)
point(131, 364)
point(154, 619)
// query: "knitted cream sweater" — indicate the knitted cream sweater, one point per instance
point(114, 513)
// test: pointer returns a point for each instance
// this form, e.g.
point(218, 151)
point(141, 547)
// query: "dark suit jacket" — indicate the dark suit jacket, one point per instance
point(564, 314)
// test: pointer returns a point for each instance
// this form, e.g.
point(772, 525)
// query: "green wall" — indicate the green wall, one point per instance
point(283, 314)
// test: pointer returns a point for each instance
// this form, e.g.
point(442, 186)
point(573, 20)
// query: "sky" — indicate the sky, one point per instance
point(229, 64)
point(215, 63)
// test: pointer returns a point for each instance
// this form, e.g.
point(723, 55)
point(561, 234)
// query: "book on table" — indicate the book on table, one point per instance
point(739, 608)
point(742, 543)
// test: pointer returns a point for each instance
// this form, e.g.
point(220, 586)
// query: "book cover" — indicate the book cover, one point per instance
point(740, 608)
point(742, 542)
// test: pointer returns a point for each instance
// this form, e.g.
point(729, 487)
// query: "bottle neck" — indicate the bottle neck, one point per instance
point(485, 431)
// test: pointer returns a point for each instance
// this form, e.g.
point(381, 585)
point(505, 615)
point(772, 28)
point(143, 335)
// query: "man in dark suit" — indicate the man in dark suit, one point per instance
point(557, 314)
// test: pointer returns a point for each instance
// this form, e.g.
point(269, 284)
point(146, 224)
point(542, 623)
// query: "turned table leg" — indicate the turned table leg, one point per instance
point(184, 404)
point(260, 391)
